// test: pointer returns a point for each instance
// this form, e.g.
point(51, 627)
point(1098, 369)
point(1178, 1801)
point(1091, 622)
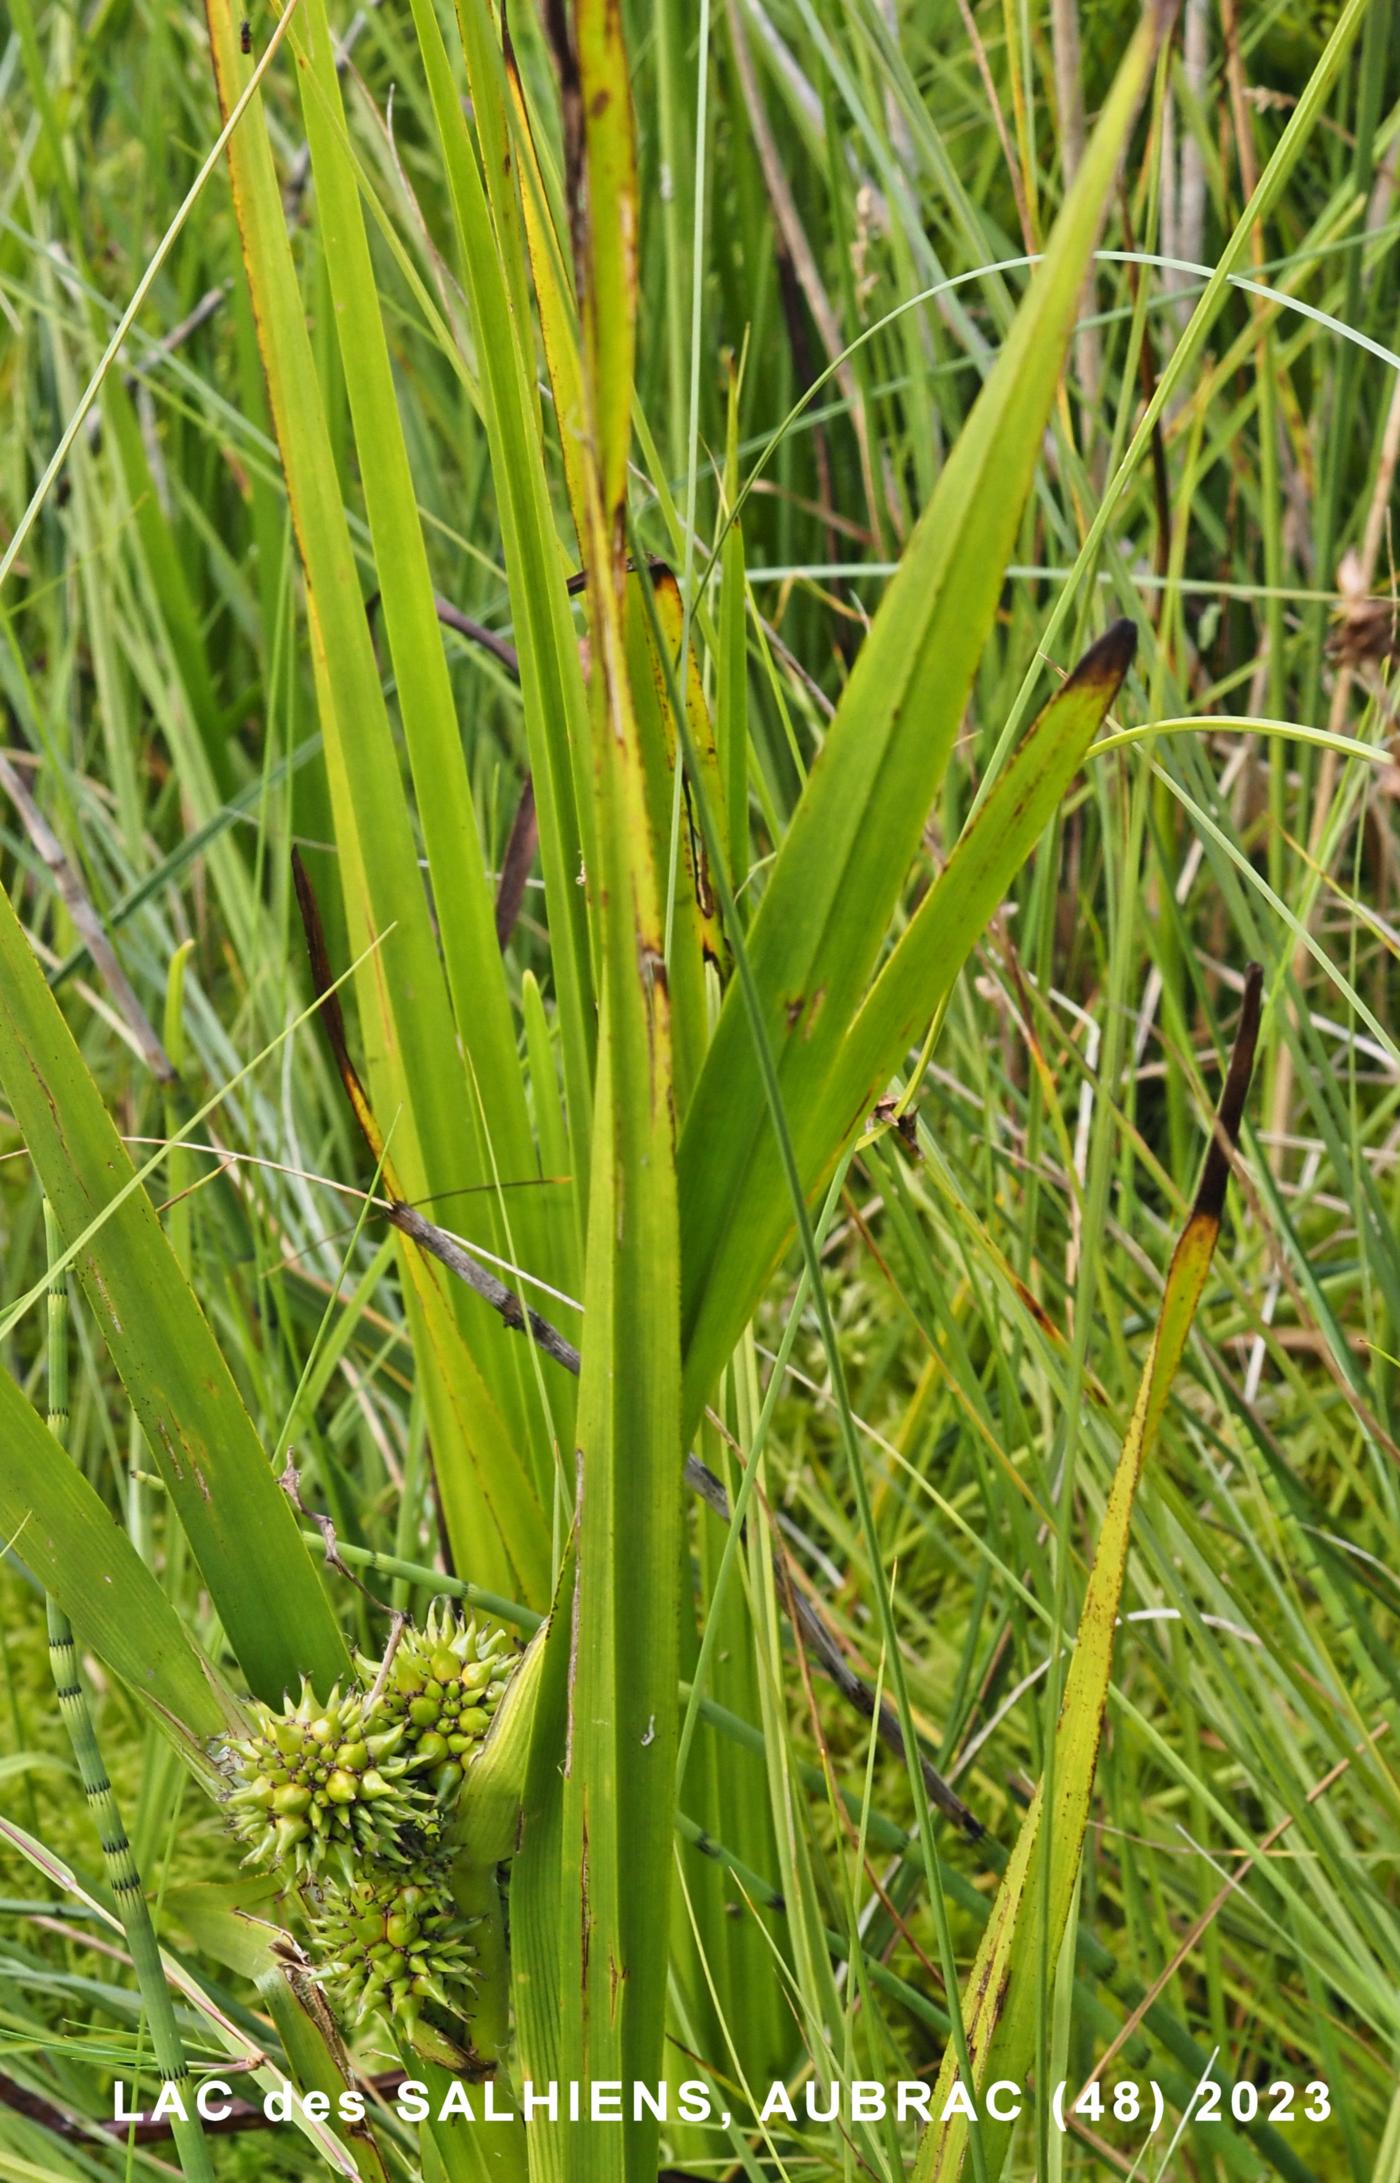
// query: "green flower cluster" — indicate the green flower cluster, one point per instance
point(324, 1781)
point(357, 1795)
point(389, 1945)
point(443, 1687)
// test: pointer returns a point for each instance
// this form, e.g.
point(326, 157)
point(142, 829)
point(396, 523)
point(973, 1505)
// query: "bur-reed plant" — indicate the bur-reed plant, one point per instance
point(811, 586)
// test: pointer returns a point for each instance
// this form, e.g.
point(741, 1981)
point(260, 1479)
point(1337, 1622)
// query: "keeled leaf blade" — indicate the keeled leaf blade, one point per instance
point(462, 896)
point(239, 1523)
point(838, 873)
point(619, 1772)
point(412, 1059)
point(550, 677)
point(909, 990)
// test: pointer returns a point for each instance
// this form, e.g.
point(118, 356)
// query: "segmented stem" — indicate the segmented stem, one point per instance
point(122, 1875)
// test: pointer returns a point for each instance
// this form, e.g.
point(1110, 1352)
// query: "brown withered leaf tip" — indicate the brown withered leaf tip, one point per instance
point(333, 1020)
point(1210, 1197)
point(1108, 659)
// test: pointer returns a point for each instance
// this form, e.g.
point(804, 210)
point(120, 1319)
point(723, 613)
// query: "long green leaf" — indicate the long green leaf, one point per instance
point(550, 677)
point(456, 858)
point(694, 929)
point(239, 1523)
point(51, 1518)
point(619, 1771)
point(972, 885)
point(844, 858)
point(535, 1888)
point(1033, 1902)
point(915, 981)
point(413, 1062)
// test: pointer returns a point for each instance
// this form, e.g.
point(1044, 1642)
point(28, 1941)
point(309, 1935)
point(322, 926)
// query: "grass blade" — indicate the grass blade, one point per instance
point(550, 678)
point(1003, 1990)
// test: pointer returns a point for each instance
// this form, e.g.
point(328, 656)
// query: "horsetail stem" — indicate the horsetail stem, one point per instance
point(117, 1858)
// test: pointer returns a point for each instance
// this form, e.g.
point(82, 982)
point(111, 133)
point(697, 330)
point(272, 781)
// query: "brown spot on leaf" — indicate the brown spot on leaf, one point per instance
point(95, 1276)
point(163, 1434)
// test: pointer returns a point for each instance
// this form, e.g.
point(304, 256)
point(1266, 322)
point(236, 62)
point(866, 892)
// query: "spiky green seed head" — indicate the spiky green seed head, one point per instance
point(313, 1782)
point(386, 1945)
point(441, 1692)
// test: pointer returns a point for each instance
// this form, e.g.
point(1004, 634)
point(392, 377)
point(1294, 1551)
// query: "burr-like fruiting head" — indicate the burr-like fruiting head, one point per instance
point(391, 1944)
point(324, 1780)
point(444, 1684)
